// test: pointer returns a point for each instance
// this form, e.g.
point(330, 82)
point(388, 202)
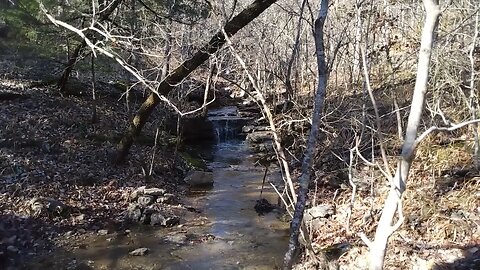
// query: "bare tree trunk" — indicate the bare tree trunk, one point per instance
point(473, 99)
point(296, 46)
point(183, 70)
point(167, 49)
point(62, 82)
point(393, 202)
point(94, 94)
point(356, 46)
point(304, 180)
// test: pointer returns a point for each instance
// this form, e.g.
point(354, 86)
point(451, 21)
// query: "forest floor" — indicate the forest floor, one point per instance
point(52, 155)
point(51, 148)
point(441, 204)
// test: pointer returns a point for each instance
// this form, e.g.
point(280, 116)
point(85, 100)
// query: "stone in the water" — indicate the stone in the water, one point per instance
point(139, 252)
point(12, 249)
point(103, 232)
point(199, 178)
point(177, 238)
point(157, 219)
point(172, 221)
point(263, 207)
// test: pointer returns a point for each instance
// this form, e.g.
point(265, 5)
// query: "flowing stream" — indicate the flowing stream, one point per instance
point(242, 238)
point(229, 234)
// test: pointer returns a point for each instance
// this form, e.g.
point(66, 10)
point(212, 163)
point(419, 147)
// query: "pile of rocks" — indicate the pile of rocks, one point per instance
point(148, 207)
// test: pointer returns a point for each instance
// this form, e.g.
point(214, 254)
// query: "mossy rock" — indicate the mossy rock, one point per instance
point(121, 86)
point(193, 162)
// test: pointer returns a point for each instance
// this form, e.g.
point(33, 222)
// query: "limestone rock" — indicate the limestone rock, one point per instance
point(103, 232)
point(259, 136)
point(153, 191)
point(134, 212)
point(166, 198)
point(199, 178)
point(248, 129)
point(137, 192)
point(177, 238)
point(143, 190)
point(47, 206)
point(145, 200)
point(197, 128)
point(319, 211)
point(139, 252)
point(159, 219)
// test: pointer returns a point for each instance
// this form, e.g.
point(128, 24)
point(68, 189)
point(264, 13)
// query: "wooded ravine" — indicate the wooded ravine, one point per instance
point(259, 134)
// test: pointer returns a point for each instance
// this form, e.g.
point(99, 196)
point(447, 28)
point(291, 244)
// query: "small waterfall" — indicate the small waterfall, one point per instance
point(227, 123)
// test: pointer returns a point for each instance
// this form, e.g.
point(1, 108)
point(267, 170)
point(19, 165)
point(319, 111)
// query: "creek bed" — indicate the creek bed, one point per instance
point(227, 233)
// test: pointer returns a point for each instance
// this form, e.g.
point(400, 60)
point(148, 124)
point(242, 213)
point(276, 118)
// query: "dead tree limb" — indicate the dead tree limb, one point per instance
point(304, 180)
point(182, 71)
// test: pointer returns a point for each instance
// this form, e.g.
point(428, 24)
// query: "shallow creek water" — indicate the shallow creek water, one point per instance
point(227, 234)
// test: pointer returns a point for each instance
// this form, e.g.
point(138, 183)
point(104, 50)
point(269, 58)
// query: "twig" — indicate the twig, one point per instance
point(153, 154)
point(436, 129)
point(377, 115)
point(281, 198)
point(263, 181)
point(354, 191)
point(269, 117)
point(399, 119)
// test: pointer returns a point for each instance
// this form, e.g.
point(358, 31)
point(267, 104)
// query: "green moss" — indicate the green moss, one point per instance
point(195, 162)
point(121, 85)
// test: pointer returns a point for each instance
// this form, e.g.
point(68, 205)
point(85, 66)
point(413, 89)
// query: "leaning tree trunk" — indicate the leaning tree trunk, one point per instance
point(184, 69)
point(62, 82)
point(312, 139)
point(393, 202)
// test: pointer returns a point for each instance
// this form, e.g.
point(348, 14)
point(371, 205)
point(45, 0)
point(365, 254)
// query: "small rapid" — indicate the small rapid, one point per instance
point(242, 238)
